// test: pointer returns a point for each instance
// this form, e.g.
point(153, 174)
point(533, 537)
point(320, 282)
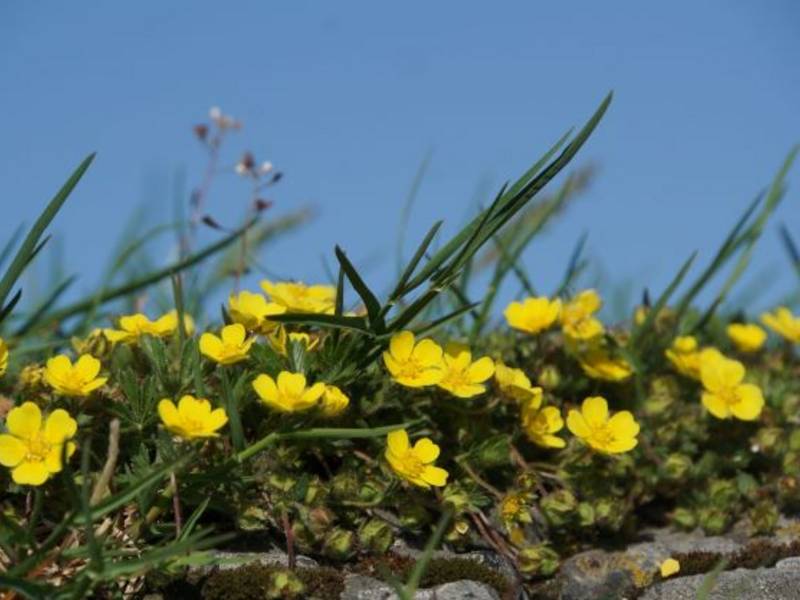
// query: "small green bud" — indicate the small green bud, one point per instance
point(677, 467)
point(791, 463)
point(458, 497)
point(345, 485)
point(724, 494)
point(413, 515)
point(714, 521)
point(559, 507)
point(586, 514)
point(747, 485)
point(284, 583)
point(537, 561)
point(663, 392)
point(794, 440)
point(339, 544)
point(684, 518)
point(549, 377)
point(764, 517)
point(376, 535)
point(769, 440)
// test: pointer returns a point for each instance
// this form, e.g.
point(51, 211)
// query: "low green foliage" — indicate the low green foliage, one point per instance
point(334, 420)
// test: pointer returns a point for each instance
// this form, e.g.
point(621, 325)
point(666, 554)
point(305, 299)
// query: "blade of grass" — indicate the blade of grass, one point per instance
point(29, 245)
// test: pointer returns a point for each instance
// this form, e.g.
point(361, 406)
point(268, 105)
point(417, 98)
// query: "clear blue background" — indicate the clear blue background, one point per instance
point(347, 98)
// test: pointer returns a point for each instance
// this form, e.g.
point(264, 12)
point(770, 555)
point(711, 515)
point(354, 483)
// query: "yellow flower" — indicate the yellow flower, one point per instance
point(593, 426)
point(192, 418)
point(669, 567)
point(725, 395)
point(540, 425)
point(3, 356)
point(533, 314)
point(299, 297)
point(462, 377)
point(33, 450)
point(132, 327)
point(279, 340)
point(289, 393)
point(784, 323)
point(746, 337)
point(599, 364)
point(230, 347)
point(253, 311)
point(414, 364)
point(577, 316)
point(79, 379)
point(334, 401)
point(414, 464)
point(515, 384)
point(684, 356)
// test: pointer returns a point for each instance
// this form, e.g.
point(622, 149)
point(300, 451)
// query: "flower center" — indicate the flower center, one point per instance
point(412, 465)
point(38, 449)
point(602, 435)
point(730, 396)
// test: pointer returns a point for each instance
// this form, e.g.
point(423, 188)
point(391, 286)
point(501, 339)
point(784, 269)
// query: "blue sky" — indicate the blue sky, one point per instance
point(347, 99)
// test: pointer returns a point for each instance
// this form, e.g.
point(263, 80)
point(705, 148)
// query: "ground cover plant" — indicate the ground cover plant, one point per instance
point(330, 420)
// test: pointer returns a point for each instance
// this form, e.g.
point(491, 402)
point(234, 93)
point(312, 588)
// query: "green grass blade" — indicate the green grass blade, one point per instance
point(42, 309)
point(640, 332)
point(371, 301)
point(29, 245)
point(141, 282)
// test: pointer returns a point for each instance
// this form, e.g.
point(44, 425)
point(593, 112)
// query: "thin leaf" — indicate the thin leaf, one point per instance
point(28, 247)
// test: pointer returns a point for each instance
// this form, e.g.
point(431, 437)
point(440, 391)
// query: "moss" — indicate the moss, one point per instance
point(439, 571)
point(257, 582)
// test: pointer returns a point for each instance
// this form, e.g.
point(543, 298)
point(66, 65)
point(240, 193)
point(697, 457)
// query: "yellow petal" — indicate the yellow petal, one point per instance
point(426, 450)
point(217, 419)
point(623, 424)
point(24, 421)
point(12, 450)
point(715, 405)
point(59, 366)
point(428, 352)
point(168, 413)
point(88, 366)
point(595, 410)
point(577, 424)
point(233, 334)
point(397, 442)
point(401, 345)
point(291, 384)
point(211, 346)
point(751, 401)
point(265, 387)
point(435, 476)
point(481, 370)
point(30, 473)
point(59, 427)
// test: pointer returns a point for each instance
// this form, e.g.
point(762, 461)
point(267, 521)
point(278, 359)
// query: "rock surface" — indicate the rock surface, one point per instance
point(358, 587)
point(782, 582)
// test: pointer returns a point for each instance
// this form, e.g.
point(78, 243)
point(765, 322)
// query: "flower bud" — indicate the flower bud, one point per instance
point(684, 518)
point(663, 392)
point(794, 440)
point(285, 584)
point(345, 485)
point(339, 544)
point(724, 494)
point(413, 516)
point(376, 535)
point(713, 520)
point(458, 497)
point(537, 561)
point(586, 514)
point(559, 507)
point(764, 517)
point(769, 441)
point(549, 377)
point(791, 463)
point(677, 467)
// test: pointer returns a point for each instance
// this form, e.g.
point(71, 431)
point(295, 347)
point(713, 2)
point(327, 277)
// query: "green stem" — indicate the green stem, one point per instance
point(317, 434)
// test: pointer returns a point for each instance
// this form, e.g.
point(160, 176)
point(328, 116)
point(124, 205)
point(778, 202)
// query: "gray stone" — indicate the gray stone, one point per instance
point(359, 587)
point(231, 560)
point(781, 583)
